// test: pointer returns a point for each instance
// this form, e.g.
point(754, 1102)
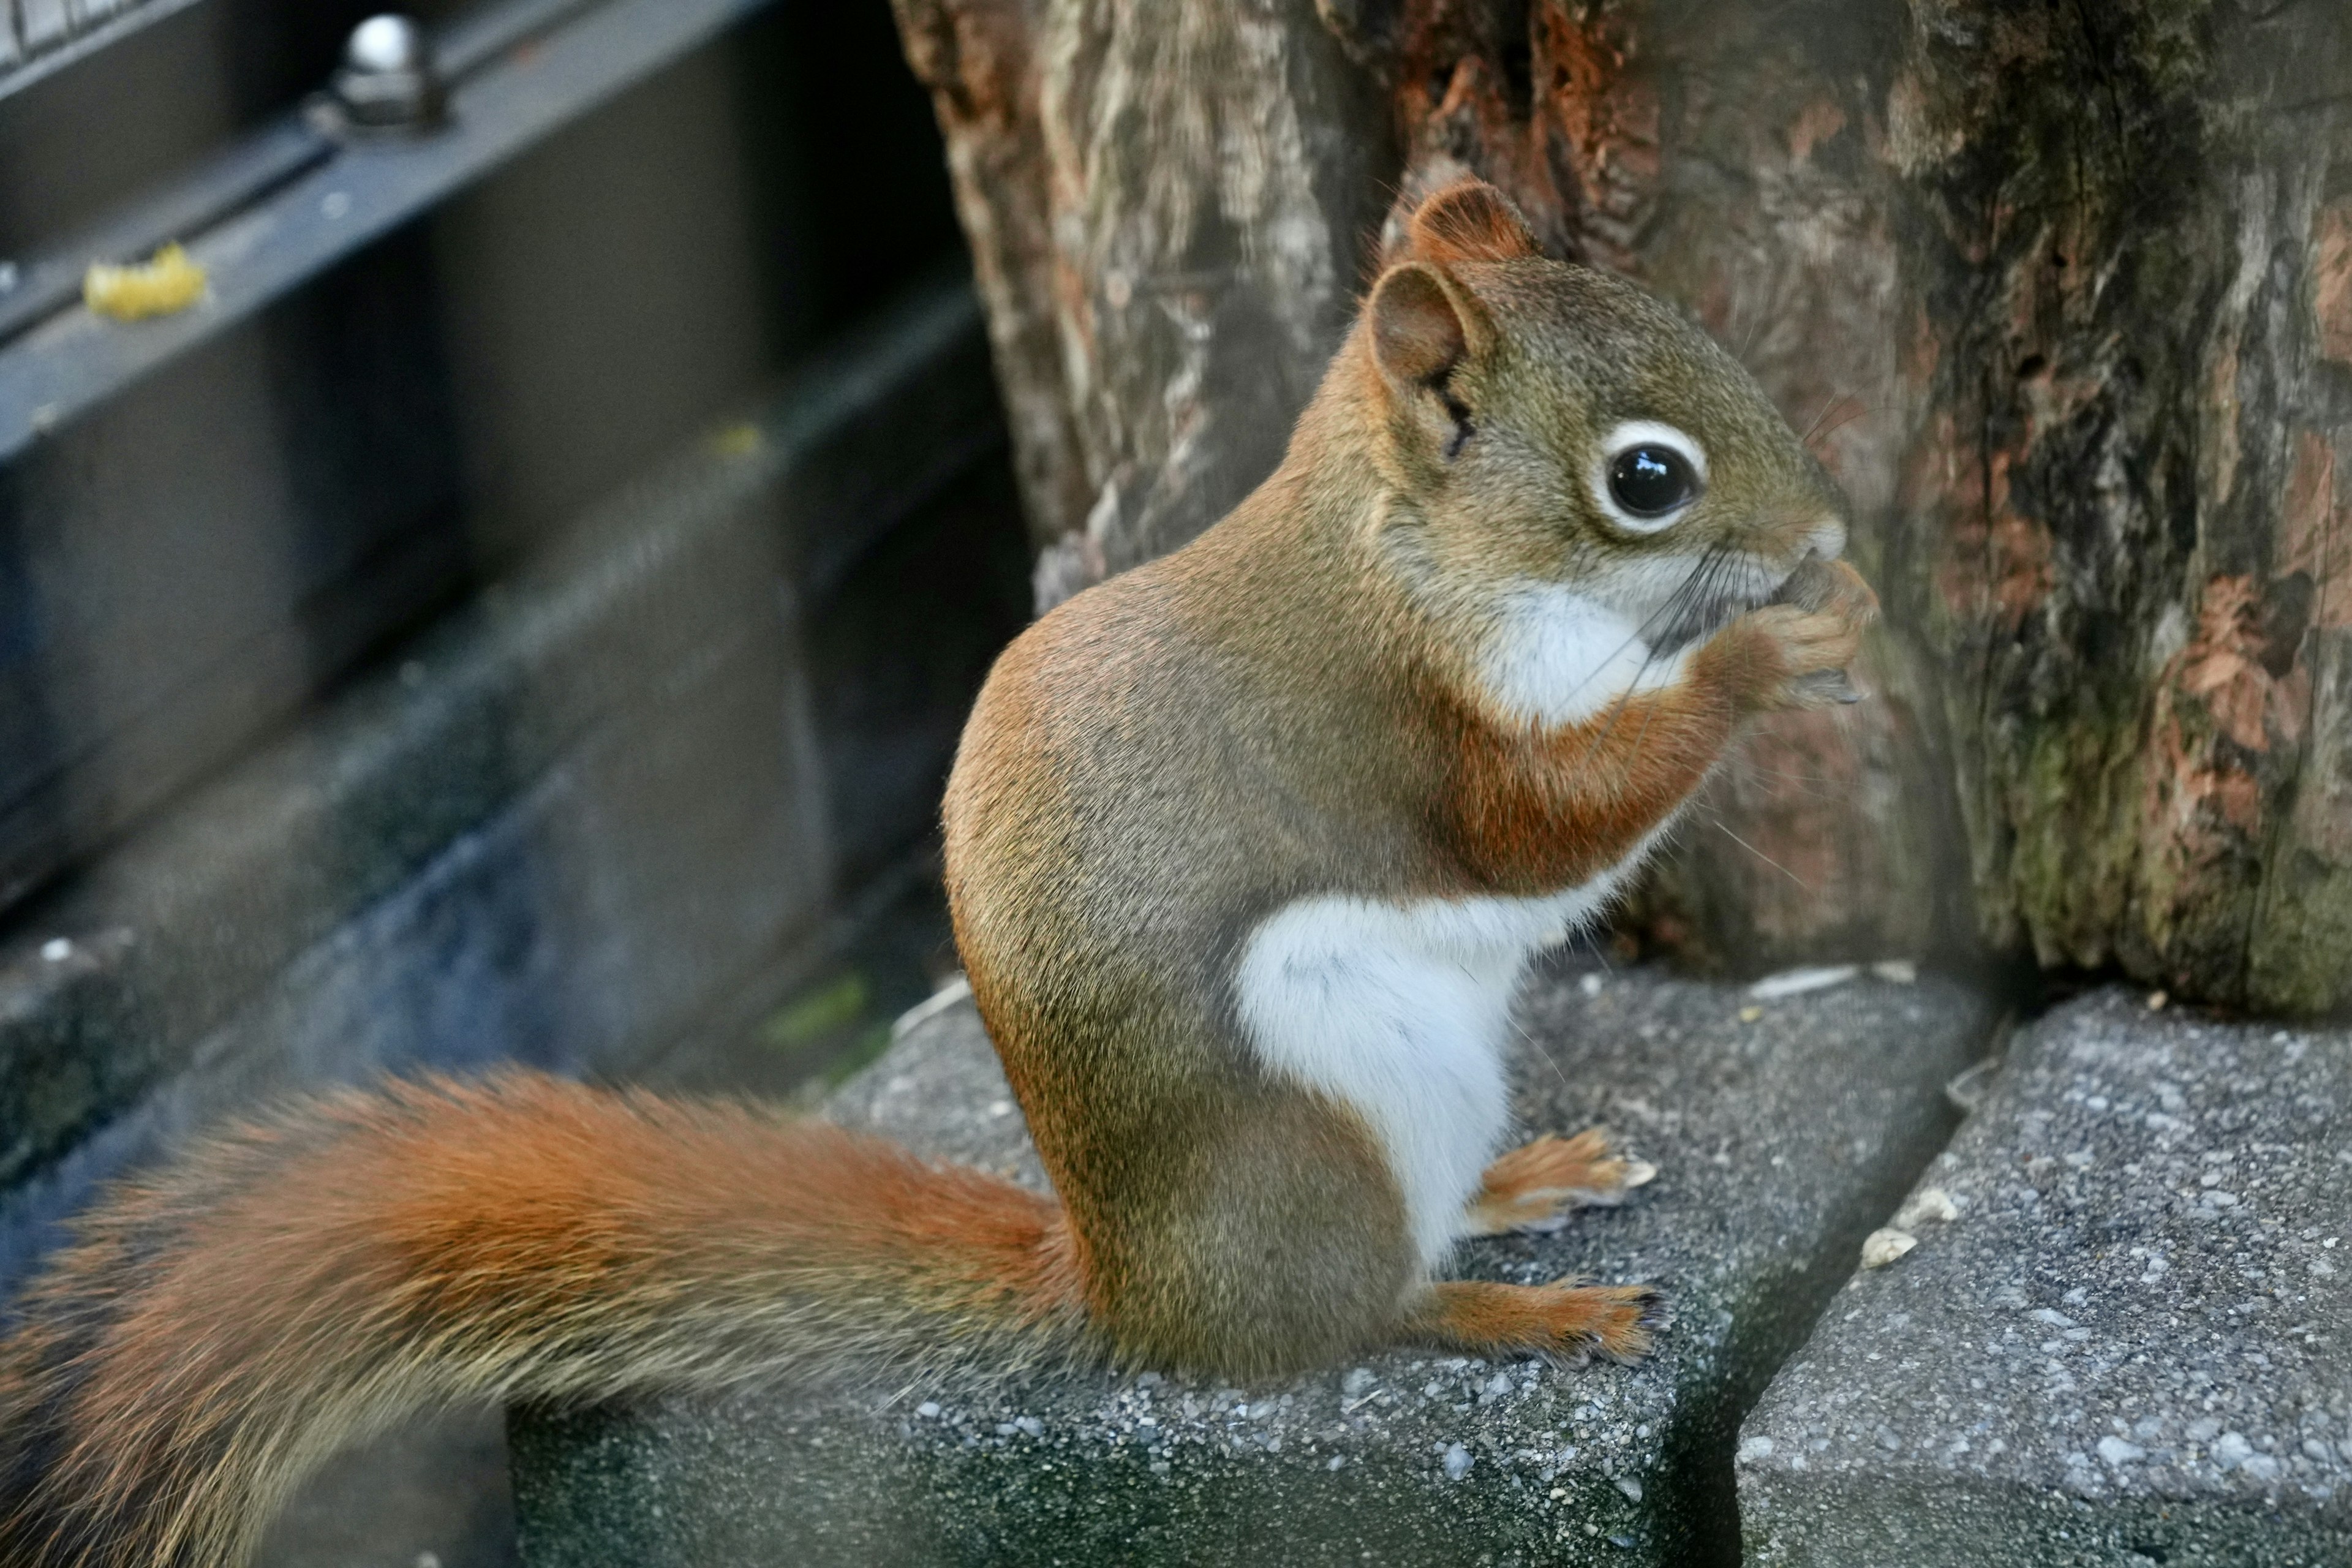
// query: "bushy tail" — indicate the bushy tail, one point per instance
point(225, 1325)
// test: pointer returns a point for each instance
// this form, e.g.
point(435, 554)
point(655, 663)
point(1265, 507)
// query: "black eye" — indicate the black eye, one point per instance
point(1651, 480)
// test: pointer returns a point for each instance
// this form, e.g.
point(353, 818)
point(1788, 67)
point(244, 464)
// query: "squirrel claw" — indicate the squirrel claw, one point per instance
point(1616, 1322)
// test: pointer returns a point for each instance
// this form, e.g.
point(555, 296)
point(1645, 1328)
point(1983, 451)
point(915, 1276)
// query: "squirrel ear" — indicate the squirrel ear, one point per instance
point(1418, 331)
point(1469, 220)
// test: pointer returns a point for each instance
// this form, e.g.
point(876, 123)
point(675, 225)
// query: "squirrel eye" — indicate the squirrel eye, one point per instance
point(1651, 480)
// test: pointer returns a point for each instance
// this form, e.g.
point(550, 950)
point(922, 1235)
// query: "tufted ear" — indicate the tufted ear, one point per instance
point(1419, 333)
point(1468, 220)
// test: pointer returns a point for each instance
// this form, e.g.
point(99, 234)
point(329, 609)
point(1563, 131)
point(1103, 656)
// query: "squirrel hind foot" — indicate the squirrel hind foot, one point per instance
point(1566, 1321)
point(1537, 1185)
point(1629, 1318)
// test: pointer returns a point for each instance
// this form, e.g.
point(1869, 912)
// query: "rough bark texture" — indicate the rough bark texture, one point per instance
point(2062, 291)
point(1167, 207)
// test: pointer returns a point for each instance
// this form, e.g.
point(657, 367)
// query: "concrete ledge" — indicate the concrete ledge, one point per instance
point(1783, 1130)
point(2131, 1343)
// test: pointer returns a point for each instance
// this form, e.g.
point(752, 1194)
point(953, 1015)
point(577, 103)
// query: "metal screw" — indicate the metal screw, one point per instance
point(384, 43)
point(388, 80)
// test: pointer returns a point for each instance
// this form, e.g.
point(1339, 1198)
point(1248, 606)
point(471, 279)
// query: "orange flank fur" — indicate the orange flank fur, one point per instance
point(1535, 809)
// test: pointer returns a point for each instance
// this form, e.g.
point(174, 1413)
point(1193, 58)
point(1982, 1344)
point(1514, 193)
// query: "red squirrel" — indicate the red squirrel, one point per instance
point(1246, 849)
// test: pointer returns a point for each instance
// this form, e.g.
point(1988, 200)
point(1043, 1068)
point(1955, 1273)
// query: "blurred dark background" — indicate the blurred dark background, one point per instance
point(525, 608)
point(405, 425)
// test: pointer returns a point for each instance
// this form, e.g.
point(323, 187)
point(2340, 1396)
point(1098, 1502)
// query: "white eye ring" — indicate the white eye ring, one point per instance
point(1645, 433)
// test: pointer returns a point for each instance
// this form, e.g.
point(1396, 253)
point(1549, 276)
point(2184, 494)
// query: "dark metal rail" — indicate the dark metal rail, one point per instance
point(294, 198)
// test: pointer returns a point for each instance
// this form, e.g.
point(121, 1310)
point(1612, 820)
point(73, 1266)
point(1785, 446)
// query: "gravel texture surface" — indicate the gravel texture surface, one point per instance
point(2130, 1344)
point(1784, 1129)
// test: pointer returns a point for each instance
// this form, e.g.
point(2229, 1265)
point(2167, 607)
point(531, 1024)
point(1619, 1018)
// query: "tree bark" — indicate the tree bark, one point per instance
point(2062, 291)
point(1168, 206)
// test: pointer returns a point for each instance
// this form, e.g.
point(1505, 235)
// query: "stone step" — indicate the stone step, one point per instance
point(2130, 1344)
point(1782, 1128)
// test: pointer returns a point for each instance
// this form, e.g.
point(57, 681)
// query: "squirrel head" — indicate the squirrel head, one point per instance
point(1550, 428)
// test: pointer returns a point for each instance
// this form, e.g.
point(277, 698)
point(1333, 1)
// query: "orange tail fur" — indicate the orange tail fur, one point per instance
point(222, 1326)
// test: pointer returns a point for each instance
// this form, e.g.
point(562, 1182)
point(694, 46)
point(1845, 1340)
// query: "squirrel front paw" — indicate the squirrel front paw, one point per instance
point(1792, 654)
point(1534, 1186)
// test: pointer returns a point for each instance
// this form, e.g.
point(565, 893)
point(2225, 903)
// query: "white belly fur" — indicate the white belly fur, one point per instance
point(1400, 1011)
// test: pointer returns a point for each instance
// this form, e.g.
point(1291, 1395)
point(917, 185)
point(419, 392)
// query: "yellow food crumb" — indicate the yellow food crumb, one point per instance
point(169, 283)
point(737, 440)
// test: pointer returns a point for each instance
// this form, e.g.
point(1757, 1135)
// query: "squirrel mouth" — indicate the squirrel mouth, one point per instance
point(1722, 588)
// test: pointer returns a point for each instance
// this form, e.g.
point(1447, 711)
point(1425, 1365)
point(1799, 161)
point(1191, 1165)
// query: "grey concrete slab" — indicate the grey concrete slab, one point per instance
point(2132, 1342)
point(432, 1494)
point(1782, 1130)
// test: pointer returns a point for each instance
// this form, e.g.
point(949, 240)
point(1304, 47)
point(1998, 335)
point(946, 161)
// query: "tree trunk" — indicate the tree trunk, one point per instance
point(2062, 291)
point(1169, 208)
